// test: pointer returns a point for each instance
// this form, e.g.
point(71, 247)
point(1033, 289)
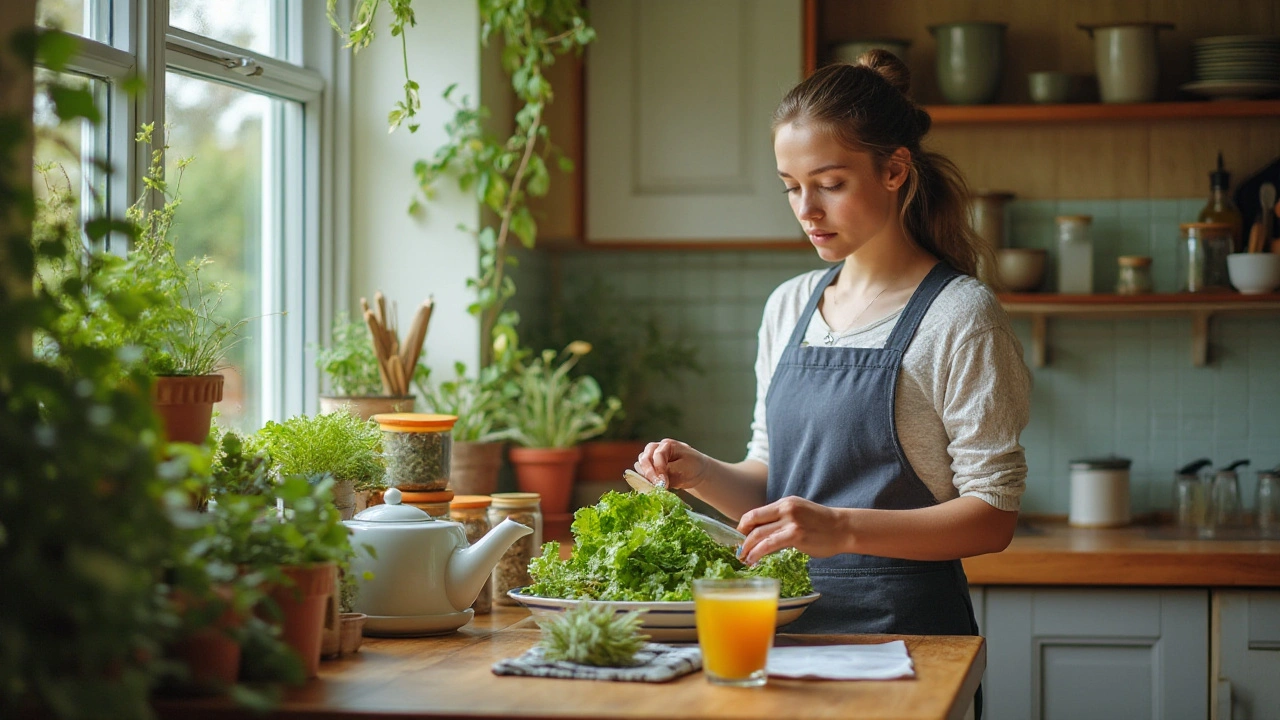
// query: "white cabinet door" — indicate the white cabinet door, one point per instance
point(680, 96)
point(1246, 654)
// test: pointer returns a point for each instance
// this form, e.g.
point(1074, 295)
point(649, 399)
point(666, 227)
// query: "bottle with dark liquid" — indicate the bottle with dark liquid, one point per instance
point(1220, 209)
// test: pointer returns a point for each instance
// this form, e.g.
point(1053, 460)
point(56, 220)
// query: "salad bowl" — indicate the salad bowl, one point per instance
point(670, 621)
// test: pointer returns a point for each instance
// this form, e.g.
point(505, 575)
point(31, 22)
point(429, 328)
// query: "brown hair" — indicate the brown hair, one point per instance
point(865, 106)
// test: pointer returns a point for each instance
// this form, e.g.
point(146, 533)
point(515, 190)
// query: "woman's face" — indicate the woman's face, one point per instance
point(838, 196)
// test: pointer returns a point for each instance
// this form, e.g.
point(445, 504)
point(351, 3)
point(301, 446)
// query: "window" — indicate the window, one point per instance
point(233, 94)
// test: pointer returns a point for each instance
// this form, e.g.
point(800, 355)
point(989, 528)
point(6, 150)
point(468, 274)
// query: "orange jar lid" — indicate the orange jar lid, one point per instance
point(415, 422)
point(1134, 260)
point(427, 498)
point(466, 502)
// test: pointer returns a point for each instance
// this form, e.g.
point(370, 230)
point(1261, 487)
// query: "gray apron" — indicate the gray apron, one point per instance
point(832, 440)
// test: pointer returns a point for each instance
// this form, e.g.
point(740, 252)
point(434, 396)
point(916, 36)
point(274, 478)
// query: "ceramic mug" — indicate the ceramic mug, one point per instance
point(970, 61)
point(1049, 87)
point(1127, 60)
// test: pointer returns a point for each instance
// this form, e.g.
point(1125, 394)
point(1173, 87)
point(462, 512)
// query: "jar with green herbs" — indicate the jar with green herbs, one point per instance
point(472, 512)
point(417, 448)
point(512, 570)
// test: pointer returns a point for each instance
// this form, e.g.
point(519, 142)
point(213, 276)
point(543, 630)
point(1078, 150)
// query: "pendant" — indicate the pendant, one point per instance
point(829, 338)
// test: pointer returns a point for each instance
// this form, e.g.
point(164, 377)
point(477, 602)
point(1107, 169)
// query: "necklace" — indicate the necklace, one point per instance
point(830, 337)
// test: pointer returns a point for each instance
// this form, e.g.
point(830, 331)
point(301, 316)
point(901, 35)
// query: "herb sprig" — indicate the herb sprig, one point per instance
point(593, 635)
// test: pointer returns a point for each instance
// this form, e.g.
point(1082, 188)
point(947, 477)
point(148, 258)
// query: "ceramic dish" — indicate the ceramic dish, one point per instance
point(1232, 89)
point(662, 621)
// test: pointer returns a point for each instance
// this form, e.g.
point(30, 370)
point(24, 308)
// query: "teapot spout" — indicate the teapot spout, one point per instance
point(470, 566)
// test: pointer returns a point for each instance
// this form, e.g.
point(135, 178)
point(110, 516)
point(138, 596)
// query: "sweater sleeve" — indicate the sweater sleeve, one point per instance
point(985, 404)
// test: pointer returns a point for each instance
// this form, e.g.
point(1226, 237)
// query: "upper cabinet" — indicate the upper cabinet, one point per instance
point(679, 97)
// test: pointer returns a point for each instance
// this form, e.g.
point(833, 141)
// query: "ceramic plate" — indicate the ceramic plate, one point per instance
point(1232, 88)
point(662, 621)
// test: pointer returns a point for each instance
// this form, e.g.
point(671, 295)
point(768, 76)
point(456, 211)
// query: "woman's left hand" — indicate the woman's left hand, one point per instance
point(813, 529)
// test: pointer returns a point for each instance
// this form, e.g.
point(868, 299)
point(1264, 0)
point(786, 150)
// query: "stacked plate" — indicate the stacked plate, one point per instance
point(1235, 67)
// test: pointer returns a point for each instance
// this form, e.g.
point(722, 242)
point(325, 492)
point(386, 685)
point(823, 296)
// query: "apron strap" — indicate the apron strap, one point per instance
point(806, 315)
point(905, 329)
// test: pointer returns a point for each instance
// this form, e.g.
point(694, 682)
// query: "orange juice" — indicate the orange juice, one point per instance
point(735, 631)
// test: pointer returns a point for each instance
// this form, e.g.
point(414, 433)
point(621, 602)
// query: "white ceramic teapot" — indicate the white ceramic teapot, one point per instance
point(424, 574)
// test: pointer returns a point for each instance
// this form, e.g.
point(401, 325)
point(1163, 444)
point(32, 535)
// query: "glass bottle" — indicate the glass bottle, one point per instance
point(1134, 277)
point(1075, 255)
point(512, 570)
point(1220, 209)
point(472, 512)
point(1202, 256)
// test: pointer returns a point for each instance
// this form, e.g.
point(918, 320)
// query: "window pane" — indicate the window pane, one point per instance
point(248, 24)
point(63, 150)
point(77, 16)
point(230, 211)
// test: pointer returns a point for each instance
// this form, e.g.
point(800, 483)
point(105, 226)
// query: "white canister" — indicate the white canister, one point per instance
point(1099, 492)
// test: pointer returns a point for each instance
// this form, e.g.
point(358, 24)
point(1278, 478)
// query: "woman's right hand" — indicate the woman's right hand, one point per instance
point(672, 464)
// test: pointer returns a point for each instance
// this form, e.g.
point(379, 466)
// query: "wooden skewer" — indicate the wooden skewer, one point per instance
point(379, 350)
point(397, 373)
point(412, 348)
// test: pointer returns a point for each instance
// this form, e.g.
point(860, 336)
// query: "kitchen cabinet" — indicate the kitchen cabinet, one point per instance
point(1246, 655)
point(1095, 653)
point(679, 97)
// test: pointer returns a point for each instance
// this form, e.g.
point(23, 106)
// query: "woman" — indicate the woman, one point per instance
point(891, 389)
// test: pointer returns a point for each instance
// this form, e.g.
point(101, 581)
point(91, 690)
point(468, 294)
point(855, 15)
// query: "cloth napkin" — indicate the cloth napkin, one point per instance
point(653, 663)
point(883, 661)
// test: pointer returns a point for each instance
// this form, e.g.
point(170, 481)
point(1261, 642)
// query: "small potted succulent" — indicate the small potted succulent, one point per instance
point(338, 445)
point(351, 365)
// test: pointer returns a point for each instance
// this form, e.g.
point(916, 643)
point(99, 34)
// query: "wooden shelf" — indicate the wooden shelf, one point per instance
point(1039, 307)
point(1029, 114)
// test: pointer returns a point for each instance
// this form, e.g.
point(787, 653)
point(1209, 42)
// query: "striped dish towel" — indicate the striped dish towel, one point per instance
point(653, 663)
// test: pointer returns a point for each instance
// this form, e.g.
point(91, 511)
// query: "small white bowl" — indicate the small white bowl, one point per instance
point(1254, 273)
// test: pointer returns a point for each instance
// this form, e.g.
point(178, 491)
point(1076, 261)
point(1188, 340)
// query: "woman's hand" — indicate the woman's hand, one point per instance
point(672, 464)
point(813, 529)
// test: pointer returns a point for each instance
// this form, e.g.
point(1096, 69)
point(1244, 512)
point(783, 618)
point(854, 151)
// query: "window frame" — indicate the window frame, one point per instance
point(311, 259)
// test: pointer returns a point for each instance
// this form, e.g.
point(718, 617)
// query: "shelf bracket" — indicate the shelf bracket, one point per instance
point(1039, 340)
point(1200, 337)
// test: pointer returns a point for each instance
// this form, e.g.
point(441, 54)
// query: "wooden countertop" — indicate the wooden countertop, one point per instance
point(1136, 555)
point(449, 676)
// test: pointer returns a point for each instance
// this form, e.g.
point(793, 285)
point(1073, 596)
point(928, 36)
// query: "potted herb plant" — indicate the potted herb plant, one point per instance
point(339, 445)
point(552, 414)
point(352, 368)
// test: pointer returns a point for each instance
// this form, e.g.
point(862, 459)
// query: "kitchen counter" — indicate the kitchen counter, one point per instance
point(1055, 553)
point(450, 676)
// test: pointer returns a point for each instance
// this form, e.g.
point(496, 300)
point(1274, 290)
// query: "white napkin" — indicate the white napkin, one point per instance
point(883, 661)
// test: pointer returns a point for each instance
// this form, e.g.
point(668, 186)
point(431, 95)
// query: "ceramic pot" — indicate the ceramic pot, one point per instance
point(970, 61)
point(1127, 60)
point(474, 467)
point(185, 405)
point(548, 472)
point(352, 631)
point(304, 610)
point(366, 406)
point(210, 654)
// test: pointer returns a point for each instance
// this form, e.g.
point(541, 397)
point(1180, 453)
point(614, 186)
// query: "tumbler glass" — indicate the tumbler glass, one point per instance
point(1224, 500)
point(1267, 508)
point(1190, 509)
point(736, 620)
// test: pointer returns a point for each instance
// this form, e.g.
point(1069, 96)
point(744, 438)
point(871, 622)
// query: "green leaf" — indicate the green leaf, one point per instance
point(55, 48)
point(70, 103)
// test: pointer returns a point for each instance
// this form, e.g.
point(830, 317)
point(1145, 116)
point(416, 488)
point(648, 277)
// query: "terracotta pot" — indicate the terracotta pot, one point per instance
point(366, 406)
point(211, 655)
point(185, 405)
point(474, 466)
point(344, 498)
point(304, 607)
point(604, 460)
point(331, 638)
point(548, 472)
point(352, 631)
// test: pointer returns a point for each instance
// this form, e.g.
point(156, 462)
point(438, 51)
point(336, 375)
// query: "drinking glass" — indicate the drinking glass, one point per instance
point(736, 620)
point(1267, 507)
point(1190, 510)
point(1224, 501)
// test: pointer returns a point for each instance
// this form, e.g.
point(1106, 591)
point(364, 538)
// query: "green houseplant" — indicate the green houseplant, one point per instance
point(338, 445)
point(351, 366)
point(552, 414)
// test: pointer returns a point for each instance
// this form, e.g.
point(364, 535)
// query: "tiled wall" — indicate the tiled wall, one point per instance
point(1112, 386)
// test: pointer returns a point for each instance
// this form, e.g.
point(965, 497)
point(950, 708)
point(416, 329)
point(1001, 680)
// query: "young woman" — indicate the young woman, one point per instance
point(891, 390)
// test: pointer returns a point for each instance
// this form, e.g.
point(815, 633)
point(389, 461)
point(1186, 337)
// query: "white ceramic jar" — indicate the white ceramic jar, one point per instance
point(1099, 492)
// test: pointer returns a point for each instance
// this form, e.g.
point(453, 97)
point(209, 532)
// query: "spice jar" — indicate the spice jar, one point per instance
point(417, 448)
point(1099, 492)
point(1202, 256)
point(472, 512)
point(1134, 277)
point(1075, 254)
point(512, 570)
point(435, 504)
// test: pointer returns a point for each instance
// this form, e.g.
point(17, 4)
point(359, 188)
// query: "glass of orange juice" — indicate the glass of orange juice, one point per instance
point(736, 621)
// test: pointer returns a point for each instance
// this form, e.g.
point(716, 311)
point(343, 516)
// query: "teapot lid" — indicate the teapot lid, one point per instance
point(392, 511)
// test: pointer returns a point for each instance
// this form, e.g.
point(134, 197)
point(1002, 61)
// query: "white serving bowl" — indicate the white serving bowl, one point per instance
point(1021, 269)
point(1254, 273)
point(661, 621)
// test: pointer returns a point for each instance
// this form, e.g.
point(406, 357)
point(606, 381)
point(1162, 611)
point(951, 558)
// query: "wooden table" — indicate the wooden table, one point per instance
point(450, 676)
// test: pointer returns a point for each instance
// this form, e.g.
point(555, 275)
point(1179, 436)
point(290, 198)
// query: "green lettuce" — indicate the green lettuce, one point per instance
point(646, 548)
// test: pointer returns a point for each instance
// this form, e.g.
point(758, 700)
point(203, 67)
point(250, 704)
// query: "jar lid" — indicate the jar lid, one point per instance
point(1106, 463)
point(464, 502)
point(416, 498)
point(1084, 219)
point(392, 511)
point(1205, 226)
point(1134, 260)
point(415, 422)
point(515, 499)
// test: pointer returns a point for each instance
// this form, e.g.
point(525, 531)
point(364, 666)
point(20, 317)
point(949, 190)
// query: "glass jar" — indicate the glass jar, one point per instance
point(512, 570)
point(435, 504)
point(1134, 277)
point(472, 512)
point(417, 448)
point(1075, 254)
point(1202, 256)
